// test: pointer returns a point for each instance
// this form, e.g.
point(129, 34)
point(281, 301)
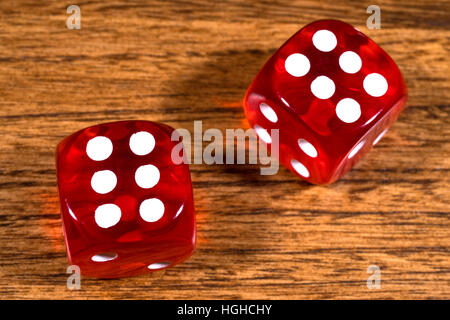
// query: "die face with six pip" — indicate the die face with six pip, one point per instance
point(332, 92)
point(126, 207)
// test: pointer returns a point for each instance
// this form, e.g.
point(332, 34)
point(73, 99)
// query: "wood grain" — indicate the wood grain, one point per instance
point(258, 236)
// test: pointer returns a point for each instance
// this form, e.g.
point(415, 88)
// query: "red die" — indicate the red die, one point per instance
point(126, 207)
point(332, 92)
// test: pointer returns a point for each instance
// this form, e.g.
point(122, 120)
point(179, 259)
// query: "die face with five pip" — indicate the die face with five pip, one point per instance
point(126, 207)
point(332, 92)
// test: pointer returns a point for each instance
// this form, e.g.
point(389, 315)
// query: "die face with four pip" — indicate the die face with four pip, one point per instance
point(332, 92)
point(126, 207)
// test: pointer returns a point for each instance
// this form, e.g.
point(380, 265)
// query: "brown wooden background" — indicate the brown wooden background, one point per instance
point(258, 236)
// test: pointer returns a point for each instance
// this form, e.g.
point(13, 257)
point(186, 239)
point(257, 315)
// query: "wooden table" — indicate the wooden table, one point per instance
point(258, 236)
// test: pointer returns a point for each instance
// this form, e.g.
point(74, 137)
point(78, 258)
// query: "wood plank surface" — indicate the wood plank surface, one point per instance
point(258, 236)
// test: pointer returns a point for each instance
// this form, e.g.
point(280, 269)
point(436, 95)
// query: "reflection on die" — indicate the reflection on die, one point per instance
point(332, 92)
point(126, 207)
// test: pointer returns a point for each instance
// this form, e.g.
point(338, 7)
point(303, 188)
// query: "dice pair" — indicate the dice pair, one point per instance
point(127, 208)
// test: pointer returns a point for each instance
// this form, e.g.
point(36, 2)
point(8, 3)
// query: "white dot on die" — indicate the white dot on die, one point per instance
point(356, 149)
point(350, 62)
point(268, 112)
point(297, 65)
point(263, 134)
point(158, 265)
point(103, 257)
point(99, 148)
point(180, 209)
point(151, 210)
point(348, 110)
point(307, 148)
point(285, 102)
point(107, 215)
point(300, 168)
point(147, 176)
point(375, 84)
point(324, 40)
point(380, 136)
point(142, 143)
point(323, 87)
point(103, 181)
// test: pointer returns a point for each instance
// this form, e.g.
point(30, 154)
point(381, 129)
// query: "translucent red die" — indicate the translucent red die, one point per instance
point(332, 92)
point(126, 206)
